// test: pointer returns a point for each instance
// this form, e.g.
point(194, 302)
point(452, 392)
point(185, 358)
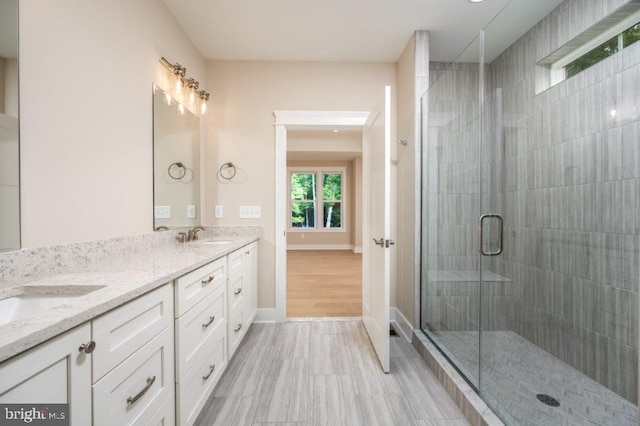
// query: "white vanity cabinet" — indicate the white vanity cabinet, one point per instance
point(241, 294)
point(201, 338)
point(133, 362)
point(55, 372)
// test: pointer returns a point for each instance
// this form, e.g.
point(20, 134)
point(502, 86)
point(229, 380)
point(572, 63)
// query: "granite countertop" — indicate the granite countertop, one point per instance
point(121, 278)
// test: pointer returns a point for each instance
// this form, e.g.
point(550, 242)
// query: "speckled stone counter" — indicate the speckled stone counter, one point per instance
point(122, 268)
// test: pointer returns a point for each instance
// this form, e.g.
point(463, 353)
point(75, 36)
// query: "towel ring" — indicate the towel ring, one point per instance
point(227, 171)
point(177, 176)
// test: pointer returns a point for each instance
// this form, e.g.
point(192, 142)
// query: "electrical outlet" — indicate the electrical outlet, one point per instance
point(219, 212)
point(250, 212)
point(162, 212)
point(191, 211)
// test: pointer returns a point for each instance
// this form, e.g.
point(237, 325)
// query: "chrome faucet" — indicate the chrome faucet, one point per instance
point(193, 233)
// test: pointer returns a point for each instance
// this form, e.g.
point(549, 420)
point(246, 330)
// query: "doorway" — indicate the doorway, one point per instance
point(324, 221)
point(303, 137)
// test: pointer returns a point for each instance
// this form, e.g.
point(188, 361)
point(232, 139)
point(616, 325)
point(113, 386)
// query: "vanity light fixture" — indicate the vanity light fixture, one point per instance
point(193, 88)
point(204, 98)
point(196, 99)
point(476, 1)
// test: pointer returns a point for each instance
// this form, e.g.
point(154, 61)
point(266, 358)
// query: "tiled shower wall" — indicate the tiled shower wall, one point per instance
point(566, 178)
point(451, 198)
point(568, 173)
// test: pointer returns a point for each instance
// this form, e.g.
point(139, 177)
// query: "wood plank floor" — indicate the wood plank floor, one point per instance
point(324, 283)
point(326, 373)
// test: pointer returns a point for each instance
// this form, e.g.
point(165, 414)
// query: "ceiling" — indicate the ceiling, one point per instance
point(330, 30)
point(322, 155)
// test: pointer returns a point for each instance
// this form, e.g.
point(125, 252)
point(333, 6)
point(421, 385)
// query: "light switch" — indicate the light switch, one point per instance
point(219, 212)
point(191, 211)
point(250, 212)
point(162, 212)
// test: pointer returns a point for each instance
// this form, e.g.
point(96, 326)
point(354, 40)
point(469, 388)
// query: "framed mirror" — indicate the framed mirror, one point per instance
point(9, 128)
point(176, 164)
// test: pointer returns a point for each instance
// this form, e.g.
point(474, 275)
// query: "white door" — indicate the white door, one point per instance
point(376, 239)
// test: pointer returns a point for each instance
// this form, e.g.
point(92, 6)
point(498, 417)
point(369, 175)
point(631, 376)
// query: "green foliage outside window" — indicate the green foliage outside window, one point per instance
point(305, 192)
point(602, 52)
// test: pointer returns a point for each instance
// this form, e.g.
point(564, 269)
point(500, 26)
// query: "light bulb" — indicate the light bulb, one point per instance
point(192, 97)
point(181, 109)
point(203, 108)
point(178, 85)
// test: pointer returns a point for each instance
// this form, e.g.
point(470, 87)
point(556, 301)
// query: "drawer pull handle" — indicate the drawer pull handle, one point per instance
point(211, 368)
point(211, 319)
point(132, 400)
point(237, 328)
point(87, 348)
point(207, 281)
point(238, 291)
point(247, 253)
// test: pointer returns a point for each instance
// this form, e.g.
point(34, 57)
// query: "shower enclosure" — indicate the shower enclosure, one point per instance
point(531, 219)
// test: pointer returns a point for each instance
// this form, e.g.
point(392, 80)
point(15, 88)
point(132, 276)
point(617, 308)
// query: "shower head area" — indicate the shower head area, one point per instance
point(531, 214)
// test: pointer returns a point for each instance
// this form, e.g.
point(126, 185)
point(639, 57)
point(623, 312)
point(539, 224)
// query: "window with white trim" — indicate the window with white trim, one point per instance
point(316, 198)
point(585, 50)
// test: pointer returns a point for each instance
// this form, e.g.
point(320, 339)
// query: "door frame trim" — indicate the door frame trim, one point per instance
point(298, 120)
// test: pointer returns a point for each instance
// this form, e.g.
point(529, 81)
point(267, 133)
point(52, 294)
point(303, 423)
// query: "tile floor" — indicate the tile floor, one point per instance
point(326, 373)
point(516, 370)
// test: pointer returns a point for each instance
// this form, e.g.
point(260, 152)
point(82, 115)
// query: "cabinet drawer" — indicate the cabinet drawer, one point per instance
point(166, 415)
point(236, 261)
point(193, 287)
point(137, 388)
point(194, 390)
point(236, 330)
point(236, 293)
point(122, 331)
point(195, 328)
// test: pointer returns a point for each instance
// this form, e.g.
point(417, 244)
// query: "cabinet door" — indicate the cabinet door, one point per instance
point(55, 372)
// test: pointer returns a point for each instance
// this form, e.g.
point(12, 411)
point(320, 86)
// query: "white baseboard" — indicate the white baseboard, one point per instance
point(400, 324)
point(357, 249)
point(265, 316)
point(319, 247)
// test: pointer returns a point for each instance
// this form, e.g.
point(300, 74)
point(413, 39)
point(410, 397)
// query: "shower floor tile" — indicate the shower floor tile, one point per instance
point(515, 370)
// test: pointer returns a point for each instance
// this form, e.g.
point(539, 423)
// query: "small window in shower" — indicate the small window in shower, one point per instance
point(602, 52)
point(604, 39)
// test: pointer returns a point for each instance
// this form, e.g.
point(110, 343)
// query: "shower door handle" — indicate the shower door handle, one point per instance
point(480, 234)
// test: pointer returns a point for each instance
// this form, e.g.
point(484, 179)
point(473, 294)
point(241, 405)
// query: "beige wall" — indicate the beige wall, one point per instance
point(86, 71)
point(357, 205)
point(332, 238)
point(405, 183)
point(239, 128)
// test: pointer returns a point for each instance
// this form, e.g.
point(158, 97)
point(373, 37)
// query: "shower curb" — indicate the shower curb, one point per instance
point(472, 406)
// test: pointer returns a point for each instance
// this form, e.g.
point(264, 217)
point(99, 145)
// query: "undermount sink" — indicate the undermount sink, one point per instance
point(33, 301)
point(214, 243)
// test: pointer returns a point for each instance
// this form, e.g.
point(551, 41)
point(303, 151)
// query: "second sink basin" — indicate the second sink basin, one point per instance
point(214, 243)
point(33, 301)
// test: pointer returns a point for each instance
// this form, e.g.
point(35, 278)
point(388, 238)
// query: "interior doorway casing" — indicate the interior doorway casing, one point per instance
point(287, 121)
